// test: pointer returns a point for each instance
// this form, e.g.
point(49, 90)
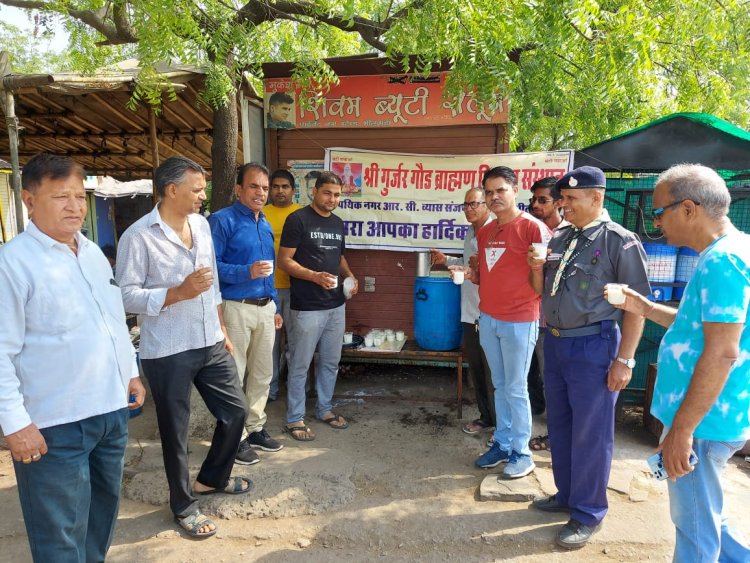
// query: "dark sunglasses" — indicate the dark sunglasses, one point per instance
point(542, 200)
point(656, 213)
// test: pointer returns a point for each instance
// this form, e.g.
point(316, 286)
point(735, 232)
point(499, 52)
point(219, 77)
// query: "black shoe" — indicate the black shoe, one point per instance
point(549, 505)
point(246, 455)
point(262, 441)
point(575, 535)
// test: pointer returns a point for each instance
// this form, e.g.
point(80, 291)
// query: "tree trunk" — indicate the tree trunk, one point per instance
point(224, 154)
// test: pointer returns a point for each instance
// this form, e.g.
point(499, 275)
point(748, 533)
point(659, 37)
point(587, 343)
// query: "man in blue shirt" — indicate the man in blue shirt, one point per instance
point(702, 393)
point(243, 241)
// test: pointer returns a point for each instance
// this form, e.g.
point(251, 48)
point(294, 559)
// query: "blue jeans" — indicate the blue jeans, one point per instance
point(508, 348)
point(311, 329)
point(696, 504)
point(70, 497)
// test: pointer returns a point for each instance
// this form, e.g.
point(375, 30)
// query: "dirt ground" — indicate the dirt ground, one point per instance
point(398, 485)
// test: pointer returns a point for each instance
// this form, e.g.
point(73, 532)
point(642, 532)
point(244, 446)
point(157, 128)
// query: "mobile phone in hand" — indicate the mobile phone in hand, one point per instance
point(656, 464)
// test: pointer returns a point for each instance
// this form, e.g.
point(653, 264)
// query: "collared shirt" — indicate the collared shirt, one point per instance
point(718, 292)
point(606, 253)
point(65, 351)
point(469, 290)
point(239, 241)
point(151, 259)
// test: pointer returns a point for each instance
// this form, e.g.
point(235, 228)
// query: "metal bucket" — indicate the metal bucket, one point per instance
point(424, 264)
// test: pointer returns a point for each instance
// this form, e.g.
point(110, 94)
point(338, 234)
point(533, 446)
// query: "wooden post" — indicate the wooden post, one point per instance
point(9, 108)
point(154, 138)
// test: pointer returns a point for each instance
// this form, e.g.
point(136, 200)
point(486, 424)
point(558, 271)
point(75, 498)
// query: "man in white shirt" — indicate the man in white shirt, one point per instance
point(67, 370)
point(478, 215)
point(165, 268)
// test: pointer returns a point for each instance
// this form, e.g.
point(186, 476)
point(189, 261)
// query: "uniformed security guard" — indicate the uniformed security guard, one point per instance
point(589, 348)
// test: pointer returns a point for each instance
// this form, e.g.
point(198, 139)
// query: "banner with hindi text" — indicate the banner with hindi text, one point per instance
point(400, 201)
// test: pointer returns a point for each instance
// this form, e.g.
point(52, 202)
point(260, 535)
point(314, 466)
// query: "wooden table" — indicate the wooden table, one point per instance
point(411, 354)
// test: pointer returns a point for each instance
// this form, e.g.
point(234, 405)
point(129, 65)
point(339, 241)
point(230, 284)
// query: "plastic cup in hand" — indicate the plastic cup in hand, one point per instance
point(268, 267)
point(615, 294)
point(348, 287)
point(348, 338)
point(335, 281)
point(540, 250)
point(458, 276)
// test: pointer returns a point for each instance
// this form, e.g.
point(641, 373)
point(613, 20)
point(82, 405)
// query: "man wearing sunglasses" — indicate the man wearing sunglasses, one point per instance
point(545, 204)
point(702, 391)
point(478, 215)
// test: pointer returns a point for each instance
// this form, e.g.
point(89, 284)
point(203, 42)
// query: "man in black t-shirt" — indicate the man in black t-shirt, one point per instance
point(312, 253)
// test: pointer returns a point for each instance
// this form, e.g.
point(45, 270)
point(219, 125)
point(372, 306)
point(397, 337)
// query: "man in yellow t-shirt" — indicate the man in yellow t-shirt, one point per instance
point(282, 205)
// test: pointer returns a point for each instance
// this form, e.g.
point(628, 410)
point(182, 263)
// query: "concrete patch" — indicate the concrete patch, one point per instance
point(293, 482)
point(494, 487)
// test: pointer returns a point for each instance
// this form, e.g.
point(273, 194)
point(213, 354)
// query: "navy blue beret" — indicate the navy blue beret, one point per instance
point(583, 177)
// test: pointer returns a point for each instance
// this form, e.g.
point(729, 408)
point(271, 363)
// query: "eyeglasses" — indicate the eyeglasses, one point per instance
point(656, 213)
point(473, 204)
point(541, 200)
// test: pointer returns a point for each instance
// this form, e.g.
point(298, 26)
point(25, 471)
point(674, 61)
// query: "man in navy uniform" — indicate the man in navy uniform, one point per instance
point(589, 349)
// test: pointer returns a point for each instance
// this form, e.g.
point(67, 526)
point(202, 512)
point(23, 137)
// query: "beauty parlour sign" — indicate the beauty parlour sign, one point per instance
point(383, 100)
point(401, 201)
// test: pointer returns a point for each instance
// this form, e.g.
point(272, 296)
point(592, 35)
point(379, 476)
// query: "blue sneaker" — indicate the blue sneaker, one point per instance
point(519, 465)
point(492, 457)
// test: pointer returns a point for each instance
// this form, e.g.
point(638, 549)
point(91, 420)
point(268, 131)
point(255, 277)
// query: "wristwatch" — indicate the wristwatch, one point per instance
point(630, 362)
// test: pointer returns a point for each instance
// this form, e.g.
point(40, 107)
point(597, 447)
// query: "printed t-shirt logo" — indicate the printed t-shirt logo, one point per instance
point(492, 255)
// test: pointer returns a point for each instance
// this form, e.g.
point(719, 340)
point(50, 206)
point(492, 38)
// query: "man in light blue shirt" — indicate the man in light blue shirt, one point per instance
point(67, 370)
point(702, 392)
point(165, 268)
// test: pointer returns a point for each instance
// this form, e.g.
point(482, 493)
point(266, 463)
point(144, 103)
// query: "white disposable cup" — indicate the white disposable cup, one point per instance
point(369, 341)
point(458, 276)
point(378, 340)
point(389, 331)
point(348, 287)
point(540, 250)
point(270, 264)
point(400, 335)
point(335, 281)
point(614, 293)
point(390, 337)
point(348, 338)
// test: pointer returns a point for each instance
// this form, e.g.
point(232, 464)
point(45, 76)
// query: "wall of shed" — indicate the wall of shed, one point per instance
point(391, 305)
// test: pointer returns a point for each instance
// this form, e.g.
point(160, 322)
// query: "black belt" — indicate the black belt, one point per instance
point(259, 302)
point(571, 332)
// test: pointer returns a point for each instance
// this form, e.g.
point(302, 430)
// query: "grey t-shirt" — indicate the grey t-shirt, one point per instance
point(605, 253)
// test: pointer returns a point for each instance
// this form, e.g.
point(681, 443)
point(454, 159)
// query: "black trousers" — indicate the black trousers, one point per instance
point(481, 376)
point(214, 374)
point(535, 377)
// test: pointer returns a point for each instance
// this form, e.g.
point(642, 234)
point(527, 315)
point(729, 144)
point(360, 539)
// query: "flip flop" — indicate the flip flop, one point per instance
point(296, 432)
point(192, 524)
point(335, 418)
point(475, 426)
point(539, 443)
point(234, 487)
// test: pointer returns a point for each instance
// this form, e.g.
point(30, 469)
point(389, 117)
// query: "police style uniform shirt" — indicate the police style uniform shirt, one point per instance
point(605, 253)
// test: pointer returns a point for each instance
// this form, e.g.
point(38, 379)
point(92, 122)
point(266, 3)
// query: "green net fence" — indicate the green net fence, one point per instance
point(628, 200)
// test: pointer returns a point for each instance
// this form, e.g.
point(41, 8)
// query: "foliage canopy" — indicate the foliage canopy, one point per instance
point(576, 71)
